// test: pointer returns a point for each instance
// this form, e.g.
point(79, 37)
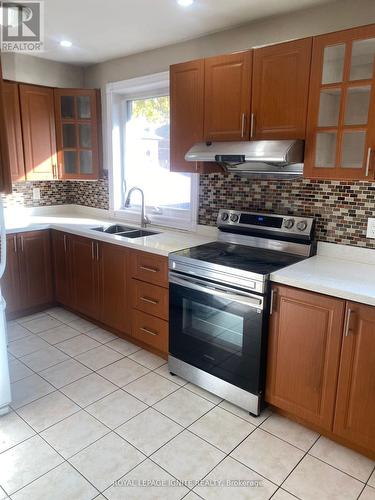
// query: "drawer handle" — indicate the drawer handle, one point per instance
point(150, 332)
point(150, 269)
point(150, 301)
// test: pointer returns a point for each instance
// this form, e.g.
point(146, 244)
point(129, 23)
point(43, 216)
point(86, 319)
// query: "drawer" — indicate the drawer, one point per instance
point(149, 267)
point(150, 330)
point(151, 299)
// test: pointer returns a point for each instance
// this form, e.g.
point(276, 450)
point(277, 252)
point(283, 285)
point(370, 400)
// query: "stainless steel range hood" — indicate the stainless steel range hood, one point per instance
point(266, 158)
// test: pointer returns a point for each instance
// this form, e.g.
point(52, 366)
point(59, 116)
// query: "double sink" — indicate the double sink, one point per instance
point(124, 231)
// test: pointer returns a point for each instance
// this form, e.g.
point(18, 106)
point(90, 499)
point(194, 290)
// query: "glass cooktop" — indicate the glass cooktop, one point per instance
point(251, 259)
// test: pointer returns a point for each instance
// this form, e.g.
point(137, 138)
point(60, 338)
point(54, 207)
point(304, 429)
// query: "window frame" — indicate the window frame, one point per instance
point(117, 96)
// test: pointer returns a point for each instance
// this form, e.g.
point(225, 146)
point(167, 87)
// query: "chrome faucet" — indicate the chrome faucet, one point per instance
point(144, 219)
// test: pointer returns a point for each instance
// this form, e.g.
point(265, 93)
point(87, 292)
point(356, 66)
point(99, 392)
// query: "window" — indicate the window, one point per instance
point(140, 142)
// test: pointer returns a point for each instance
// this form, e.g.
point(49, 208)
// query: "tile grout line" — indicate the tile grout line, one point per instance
point(154, 370)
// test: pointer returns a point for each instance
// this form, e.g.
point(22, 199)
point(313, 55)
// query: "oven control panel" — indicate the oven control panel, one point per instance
point(285, 224)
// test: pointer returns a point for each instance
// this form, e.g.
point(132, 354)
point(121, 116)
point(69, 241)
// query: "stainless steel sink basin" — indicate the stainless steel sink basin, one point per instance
point(140, 233)
point(115, 229)
point(124, 231)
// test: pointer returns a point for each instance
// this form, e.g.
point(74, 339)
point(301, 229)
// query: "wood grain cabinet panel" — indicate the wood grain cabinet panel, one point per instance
point(5, 173)
point(281, 75)
point(85, 276)
point(62, 268)
point(227, 97)
point(150, 299)
point(355, 405)
point(113, 286)
point(149, 267)
point(12, 114)
point(35, 268)
point(187, 103)
point(78, 133)
point(341, 116)
point(150, 330)
point(304, 353)
point(39, 138)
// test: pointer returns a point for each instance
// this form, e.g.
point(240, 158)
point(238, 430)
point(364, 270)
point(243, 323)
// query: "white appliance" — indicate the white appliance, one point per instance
point(5, 395)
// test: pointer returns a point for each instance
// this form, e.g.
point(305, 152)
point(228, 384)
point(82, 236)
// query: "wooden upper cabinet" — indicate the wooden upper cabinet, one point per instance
point(187, 103)
point(281, 76)
point(227, 81)
point(355, 406)
point(39, 139)
point(304, 353)
point(14, 130)
point(341, 116)
point(78, 130)
point(5, 174)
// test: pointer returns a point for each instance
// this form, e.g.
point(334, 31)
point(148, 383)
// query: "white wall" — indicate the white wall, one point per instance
point(29, 69)
point(334, 16)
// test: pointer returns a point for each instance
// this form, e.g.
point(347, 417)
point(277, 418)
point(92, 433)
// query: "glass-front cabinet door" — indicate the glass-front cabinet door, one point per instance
point(341, 124)
point(77, 128)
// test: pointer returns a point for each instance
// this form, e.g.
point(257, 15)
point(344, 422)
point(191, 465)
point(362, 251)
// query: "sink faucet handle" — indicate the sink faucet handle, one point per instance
point(146, 220)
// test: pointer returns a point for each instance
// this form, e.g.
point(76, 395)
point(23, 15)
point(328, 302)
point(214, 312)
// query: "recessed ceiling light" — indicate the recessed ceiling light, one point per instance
point(185, 3)
point(65, 43)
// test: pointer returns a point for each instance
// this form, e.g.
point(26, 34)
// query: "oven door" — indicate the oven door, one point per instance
point(218, 329)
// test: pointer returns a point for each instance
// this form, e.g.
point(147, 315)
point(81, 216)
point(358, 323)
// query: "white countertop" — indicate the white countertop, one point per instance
point(347, 273)
point(80, 222)
point(337, 270)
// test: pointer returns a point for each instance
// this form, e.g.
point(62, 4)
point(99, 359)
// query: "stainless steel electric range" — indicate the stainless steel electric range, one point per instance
point(220, 302)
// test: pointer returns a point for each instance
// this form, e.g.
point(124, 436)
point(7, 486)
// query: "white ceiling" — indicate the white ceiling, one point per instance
point(102, 30)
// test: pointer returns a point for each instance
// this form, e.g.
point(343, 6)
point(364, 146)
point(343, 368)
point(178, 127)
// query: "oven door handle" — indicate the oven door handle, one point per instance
point(235, 296)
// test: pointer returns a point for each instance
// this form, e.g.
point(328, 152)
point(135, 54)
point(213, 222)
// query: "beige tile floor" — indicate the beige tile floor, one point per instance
point(94, 416)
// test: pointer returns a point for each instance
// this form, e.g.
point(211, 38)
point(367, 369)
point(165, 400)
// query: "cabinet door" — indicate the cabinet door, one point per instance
point(227, 90)
point(114, 300)
point(10, 284)
point(355, 405)
point(281, 75)
point(12, 114)
point(5, 175)
point(85, 289)
point(186, 99)
point(38, 125)
point(35, 264)
point(77, 129)
point(341, 116)
point(62, 268)
point(303, 354)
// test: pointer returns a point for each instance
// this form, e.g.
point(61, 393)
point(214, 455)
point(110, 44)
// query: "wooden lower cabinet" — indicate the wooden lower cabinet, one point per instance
point(85, 276)
point(150, 330)
point(62, 268)
point(321, 360)
point(355, 404)
point(91, 278)
point(113, 285)
point(304, 354)
point(149, 267)
point(150, 299)
point(27, 282)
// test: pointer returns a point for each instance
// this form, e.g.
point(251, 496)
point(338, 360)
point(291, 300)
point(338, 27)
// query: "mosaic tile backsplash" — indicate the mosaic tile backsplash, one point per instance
point(341, 208)
point(88, 193)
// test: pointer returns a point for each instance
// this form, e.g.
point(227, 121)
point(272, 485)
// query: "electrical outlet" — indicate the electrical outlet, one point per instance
point(371, 228)
point(36, 194)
